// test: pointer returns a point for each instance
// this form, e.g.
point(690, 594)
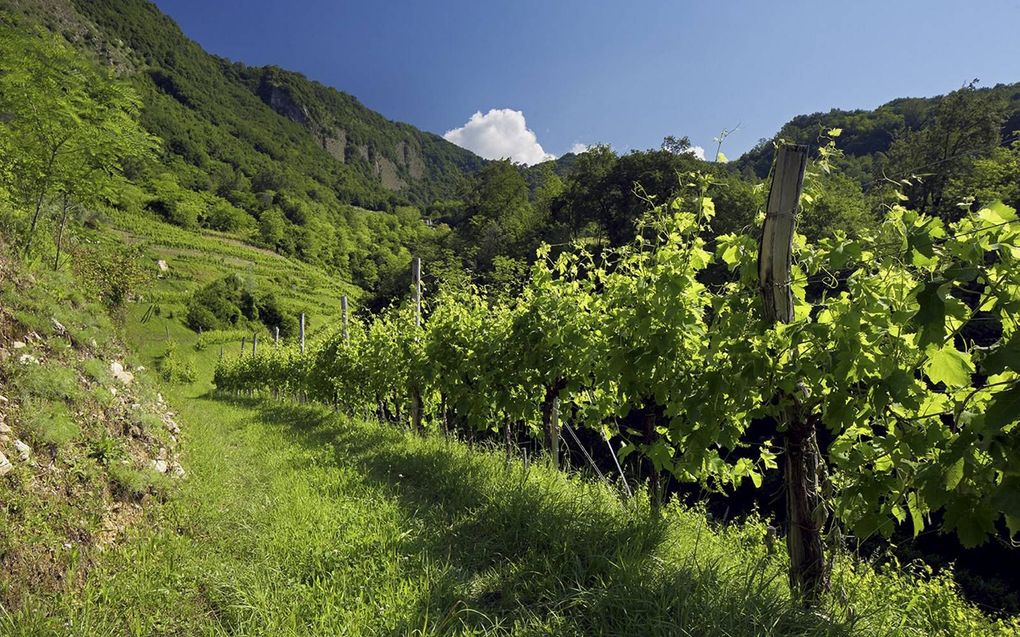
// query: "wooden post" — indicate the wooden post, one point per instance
point(276, 336)
point(343, 312)
point(416, 405)
point(302, 332)
point(551, 418)
point(244, 343)
point(416, 283)
point(221, 351)
point(809, 577)
point(775, 253)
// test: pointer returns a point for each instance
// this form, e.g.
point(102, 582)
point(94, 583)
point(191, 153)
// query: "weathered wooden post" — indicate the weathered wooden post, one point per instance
point(416, 406)
point(276, 336)
point(302, 332)
point(809, 576)
point(416, 283)
point(551, 418)
point(254, 353)
point(343, 312)
point(244, 344)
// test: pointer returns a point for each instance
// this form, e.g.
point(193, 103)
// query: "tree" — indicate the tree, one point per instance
point(499, 215)
point(966, 124)
point(988, 179)
point(676, 145)
point(68, 128)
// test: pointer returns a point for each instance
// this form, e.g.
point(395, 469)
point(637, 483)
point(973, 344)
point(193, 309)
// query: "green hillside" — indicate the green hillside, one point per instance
point(261, 153)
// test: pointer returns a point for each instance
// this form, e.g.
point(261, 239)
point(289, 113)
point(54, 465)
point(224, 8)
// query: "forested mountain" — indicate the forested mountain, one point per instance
point(869, 135)
point(261, 152)
point(212, 111)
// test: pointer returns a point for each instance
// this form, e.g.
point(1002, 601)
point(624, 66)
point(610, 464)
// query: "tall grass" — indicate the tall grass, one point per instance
point(296, 521)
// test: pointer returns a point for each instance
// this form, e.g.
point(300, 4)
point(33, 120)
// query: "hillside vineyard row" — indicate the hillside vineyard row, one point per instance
point(903, 347)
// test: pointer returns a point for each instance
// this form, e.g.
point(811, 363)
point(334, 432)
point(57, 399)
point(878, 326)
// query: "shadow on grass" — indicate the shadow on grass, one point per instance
point(526, 548)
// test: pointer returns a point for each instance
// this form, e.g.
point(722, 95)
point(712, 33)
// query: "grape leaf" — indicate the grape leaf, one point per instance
point(1004, 408)
point(954, 474)
point(949, 366)
point(931, 316)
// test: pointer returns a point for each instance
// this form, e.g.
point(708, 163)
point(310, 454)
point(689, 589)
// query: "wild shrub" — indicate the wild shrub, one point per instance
point(107, 449)
point(173, 367)
point(111, 273)
point(231, 302)
point(131, 483)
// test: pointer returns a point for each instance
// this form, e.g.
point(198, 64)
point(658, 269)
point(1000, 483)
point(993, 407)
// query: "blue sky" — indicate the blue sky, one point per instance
point(623, 73)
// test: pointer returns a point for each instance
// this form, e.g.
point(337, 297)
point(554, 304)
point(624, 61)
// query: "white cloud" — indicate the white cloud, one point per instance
point(697, 151)
point(579, 148)
point(500, 133)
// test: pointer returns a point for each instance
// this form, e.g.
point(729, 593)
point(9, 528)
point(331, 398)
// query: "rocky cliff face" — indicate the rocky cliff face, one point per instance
point(281, 101)
point(347, 131)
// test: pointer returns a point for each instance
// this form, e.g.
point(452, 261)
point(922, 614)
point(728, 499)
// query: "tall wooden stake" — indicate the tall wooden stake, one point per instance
point(302, 332)
point(551, 418)
point(276, 336)
point(343, 312)
point(254, 344)
point(244, 343)
point(416, 283)
point(416, 406)
point(809, 576)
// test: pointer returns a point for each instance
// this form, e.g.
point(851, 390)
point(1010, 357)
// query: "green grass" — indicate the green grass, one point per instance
point(51, 380)
point(48, 422)
point(297, 521)
point(133, 484)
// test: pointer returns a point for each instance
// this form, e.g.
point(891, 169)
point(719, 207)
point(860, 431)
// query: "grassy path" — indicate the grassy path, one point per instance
point(295, 521)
